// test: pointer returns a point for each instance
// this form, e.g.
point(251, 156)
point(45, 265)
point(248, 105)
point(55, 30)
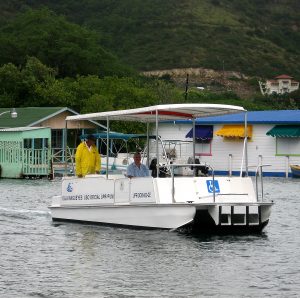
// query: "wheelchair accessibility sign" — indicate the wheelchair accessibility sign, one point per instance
point(210, 187)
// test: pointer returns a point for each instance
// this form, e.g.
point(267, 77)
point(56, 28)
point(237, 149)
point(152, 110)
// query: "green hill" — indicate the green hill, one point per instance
point(67, 47)
point(254, 37)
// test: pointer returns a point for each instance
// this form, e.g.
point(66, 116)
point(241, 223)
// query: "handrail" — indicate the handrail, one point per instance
point(163, 154)
point(243, 156)
point(71, 157)
point(191, 165)
point(261, 181)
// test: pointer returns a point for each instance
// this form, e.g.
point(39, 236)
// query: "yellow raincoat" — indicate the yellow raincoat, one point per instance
point(88, 160)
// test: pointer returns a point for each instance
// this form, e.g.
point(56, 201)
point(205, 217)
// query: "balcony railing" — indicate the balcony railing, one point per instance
point(59, 155)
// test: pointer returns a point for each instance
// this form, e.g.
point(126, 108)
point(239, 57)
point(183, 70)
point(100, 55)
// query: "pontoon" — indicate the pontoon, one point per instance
point(200, 204)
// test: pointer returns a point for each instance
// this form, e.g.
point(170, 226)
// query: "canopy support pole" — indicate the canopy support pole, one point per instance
point(148, 149)
point(194, 145)
point(65, 148)
point(107, 145)
point(157, 153)
point(246, 144)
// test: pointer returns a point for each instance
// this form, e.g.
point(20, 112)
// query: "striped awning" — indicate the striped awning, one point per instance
point(285, 131)
point(234, 131)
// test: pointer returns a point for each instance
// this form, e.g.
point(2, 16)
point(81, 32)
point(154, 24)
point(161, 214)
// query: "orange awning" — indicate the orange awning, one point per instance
point(234, 131)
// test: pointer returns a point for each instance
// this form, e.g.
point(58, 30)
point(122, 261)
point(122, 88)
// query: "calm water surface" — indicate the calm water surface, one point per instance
point(41, 259)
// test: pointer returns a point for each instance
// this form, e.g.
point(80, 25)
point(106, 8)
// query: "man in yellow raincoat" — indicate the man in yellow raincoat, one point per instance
point(87, 158)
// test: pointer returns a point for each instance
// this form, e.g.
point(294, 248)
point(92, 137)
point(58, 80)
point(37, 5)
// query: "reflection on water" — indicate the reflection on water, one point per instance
point(44, 259)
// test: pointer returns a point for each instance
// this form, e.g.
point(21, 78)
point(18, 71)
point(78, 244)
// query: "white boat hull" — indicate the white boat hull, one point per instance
point(148, 202)
point(157, 216)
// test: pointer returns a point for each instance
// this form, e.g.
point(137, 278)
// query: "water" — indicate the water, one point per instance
point(39, 258)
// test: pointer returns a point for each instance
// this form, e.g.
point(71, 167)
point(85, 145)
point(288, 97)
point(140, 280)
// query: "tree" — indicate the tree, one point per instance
point(69, 48)
point(10, 85)
point(32, 85)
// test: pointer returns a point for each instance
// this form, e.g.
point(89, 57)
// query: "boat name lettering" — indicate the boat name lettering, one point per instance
point(72, 198)
point(99, 196)
point(142, 195)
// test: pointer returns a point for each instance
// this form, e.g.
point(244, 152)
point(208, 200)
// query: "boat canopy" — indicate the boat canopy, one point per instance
point(155, 114)
point(285, 131)
point(117, 136)
point(162, 112)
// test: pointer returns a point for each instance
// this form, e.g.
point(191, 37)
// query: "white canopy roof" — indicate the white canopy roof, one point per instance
point(164, 112)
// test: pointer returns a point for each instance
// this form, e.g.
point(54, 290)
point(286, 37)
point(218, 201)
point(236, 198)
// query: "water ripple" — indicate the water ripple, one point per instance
point(44, 259)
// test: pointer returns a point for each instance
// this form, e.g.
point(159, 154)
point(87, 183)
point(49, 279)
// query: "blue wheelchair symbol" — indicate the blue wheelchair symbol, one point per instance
point(210, 188)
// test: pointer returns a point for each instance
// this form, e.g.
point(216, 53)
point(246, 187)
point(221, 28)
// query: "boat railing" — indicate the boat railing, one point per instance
point(172, 166)
point(259, 172)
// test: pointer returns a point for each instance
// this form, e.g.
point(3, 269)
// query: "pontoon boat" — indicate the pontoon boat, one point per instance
point(206, 204)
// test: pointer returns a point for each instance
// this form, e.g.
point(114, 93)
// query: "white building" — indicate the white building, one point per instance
point(274, 139)
point(279, 85)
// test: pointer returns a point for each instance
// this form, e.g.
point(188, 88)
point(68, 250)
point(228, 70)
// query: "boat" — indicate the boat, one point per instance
point(295, 171)
point(197, 204)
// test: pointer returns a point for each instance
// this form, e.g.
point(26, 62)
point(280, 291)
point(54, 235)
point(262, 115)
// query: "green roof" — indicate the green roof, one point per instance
point(285, 131)
point(29, 116)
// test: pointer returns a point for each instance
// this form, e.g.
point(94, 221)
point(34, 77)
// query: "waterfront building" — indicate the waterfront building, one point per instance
point(54, 118)
point(25, 152)
point(279, 85)
point(273, 139)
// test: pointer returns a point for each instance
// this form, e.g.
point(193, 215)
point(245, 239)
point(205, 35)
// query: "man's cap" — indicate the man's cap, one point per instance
point(91, 137)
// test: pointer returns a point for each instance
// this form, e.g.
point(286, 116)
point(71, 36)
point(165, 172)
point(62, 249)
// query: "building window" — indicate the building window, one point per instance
point(57, 136)
point(287, 146)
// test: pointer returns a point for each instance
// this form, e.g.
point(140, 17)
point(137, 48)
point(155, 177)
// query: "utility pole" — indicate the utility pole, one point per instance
point(223, 67)
point(186, 86)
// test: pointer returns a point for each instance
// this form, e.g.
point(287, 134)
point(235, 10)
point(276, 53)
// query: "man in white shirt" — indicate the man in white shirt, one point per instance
point(137, 169)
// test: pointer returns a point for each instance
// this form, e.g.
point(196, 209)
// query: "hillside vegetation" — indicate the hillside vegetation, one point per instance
point(89, 55)
point(251, 36)
point(68, 47)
